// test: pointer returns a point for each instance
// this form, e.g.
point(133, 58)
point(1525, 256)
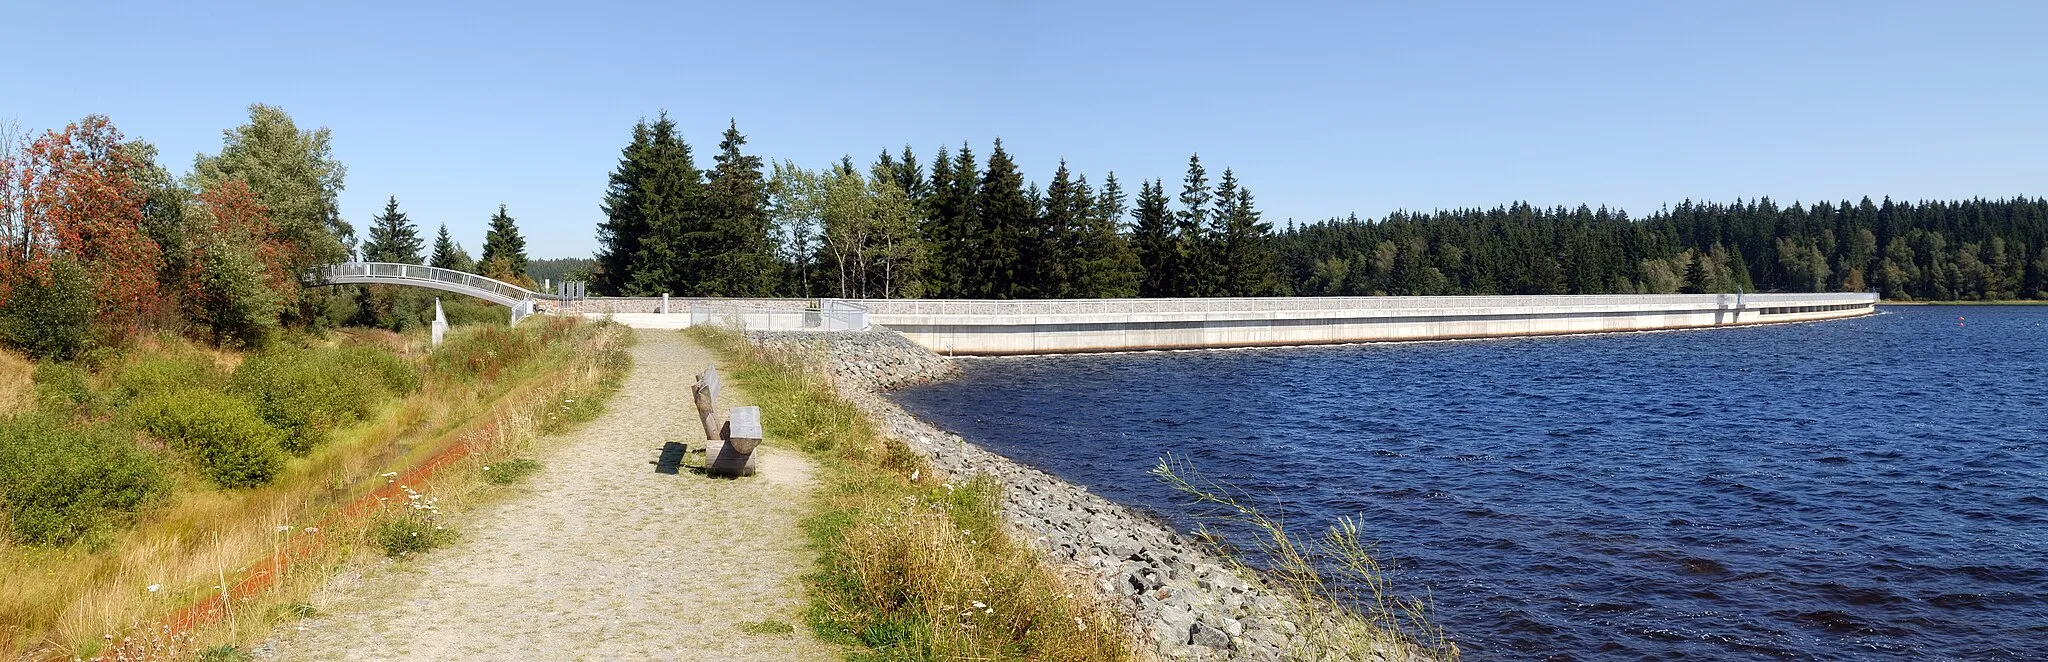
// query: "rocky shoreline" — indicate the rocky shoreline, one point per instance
point(1191, 605)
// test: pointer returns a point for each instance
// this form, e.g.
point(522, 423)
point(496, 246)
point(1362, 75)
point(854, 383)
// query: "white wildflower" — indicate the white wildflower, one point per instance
point(388, 474)
point(979, 605)
point(155, 587)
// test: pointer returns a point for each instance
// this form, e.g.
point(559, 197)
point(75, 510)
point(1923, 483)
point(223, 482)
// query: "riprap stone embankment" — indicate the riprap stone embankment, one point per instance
point(1191, 605)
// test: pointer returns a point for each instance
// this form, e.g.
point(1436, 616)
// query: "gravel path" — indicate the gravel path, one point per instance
point(599, 556)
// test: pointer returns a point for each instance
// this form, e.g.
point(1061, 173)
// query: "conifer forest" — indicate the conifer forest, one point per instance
point(964, 225)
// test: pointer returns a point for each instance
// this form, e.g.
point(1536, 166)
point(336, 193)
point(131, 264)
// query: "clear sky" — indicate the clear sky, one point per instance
point(1323, 109)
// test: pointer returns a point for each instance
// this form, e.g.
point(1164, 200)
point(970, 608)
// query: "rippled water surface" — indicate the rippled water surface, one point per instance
point(1867, 488)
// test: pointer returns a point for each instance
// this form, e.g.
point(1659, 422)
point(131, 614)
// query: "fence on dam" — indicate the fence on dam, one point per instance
point(1106, 325)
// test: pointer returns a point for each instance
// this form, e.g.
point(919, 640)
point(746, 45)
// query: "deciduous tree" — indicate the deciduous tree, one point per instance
point(74, 195)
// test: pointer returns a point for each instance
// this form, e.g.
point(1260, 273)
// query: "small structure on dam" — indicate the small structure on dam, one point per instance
point(1113, 325)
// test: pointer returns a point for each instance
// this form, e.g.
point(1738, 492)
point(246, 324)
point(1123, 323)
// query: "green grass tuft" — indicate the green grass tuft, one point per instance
point(224, 653)
point(507, 472)
point(768, 627)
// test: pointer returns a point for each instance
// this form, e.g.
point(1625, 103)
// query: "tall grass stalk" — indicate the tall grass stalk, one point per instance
point(914, 568)
point(1342, 597)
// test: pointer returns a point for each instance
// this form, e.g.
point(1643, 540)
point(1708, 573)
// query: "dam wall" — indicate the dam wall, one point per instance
point(968, 327)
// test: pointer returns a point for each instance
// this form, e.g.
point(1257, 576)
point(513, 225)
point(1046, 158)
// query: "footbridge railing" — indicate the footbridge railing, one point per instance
point(419, 275)
point(517, 298)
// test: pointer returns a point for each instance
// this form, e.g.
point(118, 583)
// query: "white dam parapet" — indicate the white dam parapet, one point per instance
point(1108, 325)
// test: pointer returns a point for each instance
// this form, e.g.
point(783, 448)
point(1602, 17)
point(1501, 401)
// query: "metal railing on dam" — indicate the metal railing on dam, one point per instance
point(1290, 304)
point(829, 315)
point(1107, 325)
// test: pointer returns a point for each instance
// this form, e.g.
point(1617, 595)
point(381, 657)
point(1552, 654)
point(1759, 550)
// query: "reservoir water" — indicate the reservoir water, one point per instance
point(1874, 488)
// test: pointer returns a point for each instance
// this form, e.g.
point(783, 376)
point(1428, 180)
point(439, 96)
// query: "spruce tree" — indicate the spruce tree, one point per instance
point(1108, 268)
point(1050, 251)
point(937, 209)
point(393, 237)
point(668, 201)
point(1004, 216)
point(1249, 267)
point(961, 229)
point(1190, 257)
point(905, 173)
point(735, 254)
point(448, 254)
point(1152, 239)
point(1696, 275)
point(620, 234)
point(504, 255)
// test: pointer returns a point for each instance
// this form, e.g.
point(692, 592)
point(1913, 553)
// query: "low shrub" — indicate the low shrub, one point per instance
point(65, 389)
point(307, 392)
point(222, 435)
point(49, 317)
point(398, 376)
point(486, 352)
point(59, 483)
point(509, 471)
point(464, 311)
point(410, 528)
point(151, 374)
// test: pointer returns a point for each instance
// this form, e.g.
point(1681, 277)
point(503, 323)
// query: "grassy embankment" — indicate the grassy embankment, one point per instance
point(180, 500)
point(914, 567)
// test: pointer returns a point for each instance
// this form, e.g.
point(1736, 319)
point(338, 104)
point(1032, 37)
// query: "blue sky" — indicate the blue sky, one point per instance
point(1322, 109)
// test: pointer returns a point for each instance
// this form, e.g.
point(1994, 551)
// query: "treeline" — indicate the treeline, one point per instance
point(962, 228)
point(966, 227)
point(1967, 250)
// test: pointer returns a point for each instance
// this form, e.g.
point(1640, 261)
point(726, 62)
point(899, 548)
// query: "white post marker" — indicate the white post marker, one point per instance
point(440, 328)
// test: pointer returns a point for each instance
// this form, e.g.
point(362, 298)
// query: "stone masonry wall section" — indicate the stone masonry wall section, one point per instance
point(1190, 605)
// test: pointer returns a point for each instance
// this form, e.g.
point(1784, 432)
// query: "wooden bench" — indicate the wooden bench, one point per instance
point(728, 445)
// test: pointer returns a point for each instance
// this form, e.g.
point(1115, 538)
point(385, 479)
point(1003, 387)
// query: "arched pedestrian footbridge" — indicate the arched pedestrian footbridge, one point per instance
point(517, 298)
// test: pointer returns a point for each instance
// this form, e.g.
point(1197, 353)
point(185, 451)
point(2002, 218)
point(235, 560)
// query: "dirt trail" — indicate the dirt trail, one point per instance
point(599, 556)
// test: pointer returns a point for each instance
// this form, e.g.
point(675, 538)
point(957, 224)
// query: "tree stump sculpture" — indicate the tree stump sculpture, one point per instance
point(728, 446)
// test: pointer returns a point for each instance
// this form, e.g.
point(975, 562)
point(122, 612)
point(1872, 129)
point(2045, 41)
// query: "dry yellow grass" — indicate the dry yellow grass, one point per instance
point(16, 389)
point(1340, 595)
point(73, 601)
